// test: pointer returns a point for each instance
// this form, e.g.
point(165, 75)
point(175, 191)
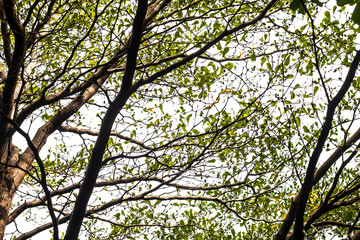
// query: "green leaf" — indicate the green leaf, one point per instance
point(344, 2)
point(316, 88)
point(268, 65)
point(292, 95)
point(287, 61)
point(253, 57)
point(263, 60)
point(297, 5)
point(356, 14)
point(327, 14)
point(226, 50)
point(348, 216)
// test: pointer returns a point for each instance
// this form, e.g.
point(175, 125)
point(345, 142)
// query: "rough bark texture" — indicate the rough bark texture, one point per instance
point(7, 189)
point(14, 61)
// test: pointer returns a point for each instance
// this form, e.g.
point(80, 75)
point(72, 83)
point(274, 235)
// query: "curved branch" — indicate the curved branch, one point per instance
point(43, 174)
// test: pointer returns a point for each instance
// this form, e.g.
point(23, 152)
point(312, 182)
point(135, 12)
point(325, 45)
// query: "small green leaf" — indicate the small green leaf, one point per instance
point(263, 60)
point(292, 95)
point(226, 50)
point(287, 61)
point(316, 88)
point(306, 129)
point(268, 65)
point(253, 57)
point(327, 14)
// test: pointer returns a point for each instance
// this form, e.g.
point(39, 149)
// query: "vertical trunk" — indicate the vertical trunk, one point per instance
point(7, 189)
point(9, 156)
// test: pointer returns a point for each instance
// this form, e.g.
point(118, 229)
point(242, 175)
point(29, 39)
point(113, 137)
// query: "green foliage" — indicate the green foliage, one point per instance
point(300, 6)
point(216, 148)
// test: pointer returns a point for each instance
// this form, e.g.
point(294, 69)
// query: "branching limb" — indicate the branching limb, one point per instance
point(205, 48)
point(298, 205)
point(43, 174)
point(95, 162)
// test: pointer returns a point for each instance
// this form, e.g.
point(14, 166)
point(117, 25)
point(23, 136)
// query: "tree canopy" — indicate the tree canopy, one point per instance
point(232, 119)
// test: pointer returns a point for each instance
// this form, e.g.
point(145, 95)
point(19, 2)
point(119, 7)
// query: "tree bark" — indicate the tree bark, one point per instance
point(7, 190)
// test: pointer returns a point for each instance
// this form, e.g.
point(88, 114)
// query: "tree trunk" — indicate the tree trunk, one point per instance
point(7, 190)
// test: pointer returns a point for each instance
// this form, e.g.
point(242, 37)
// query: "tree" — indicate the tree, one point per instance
point(179, 119)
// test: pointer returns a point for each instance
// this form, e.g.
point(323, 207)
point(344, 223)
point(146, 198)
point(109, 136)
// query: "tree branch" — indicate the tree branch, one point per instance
point(95, 162)
point(96, 133)
point(43, 174)
point(207, 46)
point(299, 203)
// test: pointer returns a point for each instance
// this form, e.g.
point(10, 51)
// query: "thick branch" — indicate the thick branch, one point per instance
point(308, 182)
point(325, 206)
point(17, 57)
point(317, 176)
point(95, 162)
point(298, 205)
point(5, 36)
point(15, 62)
point(42, 134)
